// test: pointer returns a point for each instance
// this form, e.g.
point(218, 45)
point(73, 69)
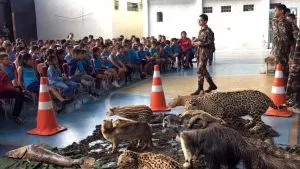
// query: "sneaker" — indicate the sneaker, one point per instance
point(115, 83)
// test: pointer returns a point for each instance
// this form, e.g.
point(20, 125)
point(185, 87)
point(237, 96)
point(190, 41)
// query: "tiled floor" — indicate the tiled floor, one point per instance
point(230, 73)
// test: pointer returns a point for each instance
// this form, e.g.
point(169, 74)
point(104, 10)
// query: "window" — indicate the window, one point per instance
point(117, 5)
point(225, 8)
point(159, 17)
point(248, 8)
point(207, 9)
point(273, 6)
point(132, 6)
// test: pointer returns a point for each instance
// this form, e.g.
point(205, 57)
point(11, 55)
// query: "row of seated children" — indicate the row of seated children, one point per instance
point(85, 63)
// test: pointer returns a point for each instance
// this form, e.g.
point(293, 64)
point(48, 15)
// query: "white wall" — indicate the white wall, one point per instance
point(98, 21)
point(233, 30)
point(238, 29)
point(178, 15)
point(126, 22)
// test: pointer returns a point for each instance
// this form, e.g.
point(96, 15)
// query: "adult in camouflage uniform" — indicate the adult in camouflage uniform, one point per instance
point(205, 45)
point(283, 38)
point(293, 85)
point(292, 19)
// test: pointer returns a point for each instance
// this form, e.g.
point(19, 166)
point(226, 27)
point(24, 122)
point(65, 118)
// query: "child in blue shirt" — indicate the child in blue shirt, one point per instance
point(176, 50)
point(169, 54)
point(77, 72)
point(145, 59)
point(105, 51)
point(69, 50)
point(35, 52)
point(27, 77)
point(100, 68)
point(155, 52)
point(9, 50)
point(135, 61)
point(56, 78)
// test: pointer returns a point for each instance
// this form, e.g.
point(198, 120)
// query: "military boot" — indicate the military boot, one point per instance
point(200, 88)
point(212, 85)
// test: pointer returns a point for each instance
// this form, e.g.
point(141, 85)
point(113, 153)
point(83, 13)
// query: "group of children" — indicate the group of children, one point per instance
point(88, 63)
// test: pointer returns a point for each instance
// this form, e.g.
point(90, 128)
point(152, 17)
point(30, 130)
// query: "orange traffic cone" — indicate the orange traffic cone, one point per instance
point(46, 121)
point(158, 101)
point(278, 95)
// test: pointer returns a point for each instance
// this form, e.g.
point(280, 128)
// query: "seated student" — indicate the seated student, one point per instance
point(108, 64)
point(100, 69)
point(19, 50)
point(134, 59)
point(9, 50)
point(146, 60)
point(169, 54)
point(35, 52)
point(120, 58)
point(123, 56)
point(69, 50)
point(77, 72)
point(43, 52)
point(9, 69)
point(117, 64)
point(60, 54)
point(105, 51)
point(27, 77)
point(176, 50)
point(56, 78)
point(87, 59)
point(154, 52)
point(163, 56)
point(186, 47)
point(8, 91)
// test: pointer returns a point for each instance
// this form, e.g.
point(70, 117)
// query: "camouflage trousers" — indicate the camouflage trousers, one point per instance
point(202, 70)
point(293, 83)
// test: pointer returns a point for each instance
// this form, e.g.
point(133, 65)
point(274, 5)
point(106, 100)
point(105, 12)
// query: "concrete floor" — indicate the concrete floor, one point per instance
point(234, 72)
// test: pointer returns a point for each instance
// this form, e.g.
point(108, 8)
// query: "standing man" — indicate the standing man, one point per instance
point(292, 19)
point(205, 45)
point(283, 38)
point(293, 85)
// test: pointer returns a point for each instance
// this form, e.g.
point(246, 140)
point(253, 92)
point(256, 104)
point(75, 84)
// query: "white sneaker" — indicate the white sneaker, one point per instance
point(115, 83)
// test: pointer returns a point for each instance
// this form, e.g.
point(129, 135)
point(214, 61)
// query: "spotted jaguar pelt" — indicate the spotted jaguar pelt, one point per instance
point(234, 105)
point(132, 160)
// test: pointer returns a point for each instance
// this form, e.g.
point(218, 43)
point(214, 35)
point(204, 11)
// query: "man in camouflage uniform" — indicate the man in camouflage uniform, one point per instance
point(293, 85)
point(283, 38)
point(292, 19)
point(205, 45)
